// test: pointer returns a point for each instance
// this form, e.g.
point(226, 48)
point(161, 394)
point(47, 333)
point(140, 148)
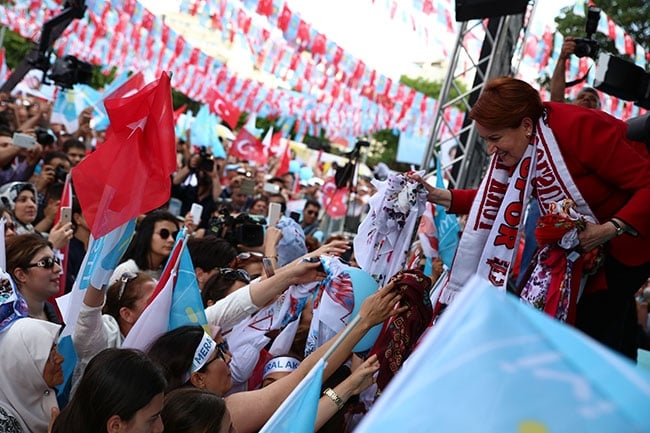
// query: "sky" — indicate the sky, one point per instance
point(367, 32)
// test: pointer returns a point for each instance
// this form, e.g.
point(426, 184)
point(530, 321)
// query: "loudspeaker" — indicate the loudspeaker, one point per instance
point(478, 9)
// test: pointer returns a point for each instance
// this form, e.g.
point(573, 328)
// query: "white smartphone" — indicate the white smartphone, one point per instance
point(274, 214)
point(271, 188)
point(66, 215)
point(25, 141)
point(196, 210)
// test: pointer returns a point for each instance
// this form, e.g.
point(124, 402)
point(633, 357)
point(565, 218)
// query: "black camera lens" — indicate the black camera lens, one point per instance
point(586, 48)
point(44, 137)
point(60, 173)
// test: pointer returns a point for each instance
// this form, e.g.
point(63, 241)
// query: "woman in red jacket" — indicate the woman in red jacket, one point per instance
point(553, 152)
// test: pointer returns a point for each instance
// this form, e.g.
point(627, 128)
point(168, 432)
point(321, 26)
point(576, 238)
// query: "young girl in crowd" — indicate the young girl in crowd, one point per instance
point(120, 391)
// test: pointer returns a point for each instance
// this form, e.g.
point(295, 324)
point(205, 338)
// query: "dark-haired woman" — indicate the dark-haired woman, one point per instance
point(120, 391)
point(36, 270)
point(183, 357)
point(122, 305)
point(151, 245)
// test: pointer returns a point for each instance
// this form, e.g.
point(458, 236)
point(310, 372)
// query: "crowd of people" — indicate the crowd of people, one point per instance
point(556, 159)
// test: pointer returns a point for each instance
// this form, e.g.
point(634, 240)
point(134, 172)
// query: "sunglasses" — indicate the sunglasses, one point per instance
point(248, 254)
point(45, 263)
point(164, 234)
point(125, 279)
point(235, 274)
point(222, 349)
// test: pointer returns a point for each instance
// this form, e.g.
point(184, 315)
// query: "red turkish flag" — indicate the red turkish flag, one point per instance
point(285, 160)
point(265, 7)
point(247, 147)
point(134, 83)
point(284, 18)
point(334, 199)
point(130, 174)
point(223, 108)
point(320, 42)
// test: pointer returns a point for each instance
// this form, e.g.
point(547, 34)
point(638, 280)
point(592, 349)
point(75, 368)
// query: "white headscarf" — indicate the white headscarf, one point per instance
point(24, 349)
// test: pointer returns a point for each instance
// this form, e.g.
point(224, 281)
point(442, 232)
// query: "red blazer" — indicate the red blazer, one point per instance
point(611, 172)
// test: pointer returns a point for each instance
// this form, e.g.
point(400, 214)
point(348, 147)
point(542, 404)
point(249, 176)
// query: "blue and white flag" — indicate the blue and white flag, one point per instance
point(101, 259)
point(494, 364)
point(297, 414)
point(187, 305)
point(446, 225)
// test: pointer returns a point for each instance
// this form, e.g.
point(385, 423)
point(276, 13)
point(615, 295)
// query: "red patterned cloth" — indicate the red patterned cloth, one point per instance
point(401, 332)
point(554, 284)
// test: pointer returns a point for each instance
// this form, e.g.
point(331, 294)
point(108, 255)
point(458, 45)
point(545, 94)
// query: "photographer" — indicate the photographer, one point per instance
point(197, 181)
point(17, 164)
point(587, 96)
point(56, 166)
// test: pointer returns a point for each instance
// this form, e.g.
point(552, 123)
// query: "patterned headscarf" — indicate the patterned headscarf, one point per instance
point(402, 331)
point(9, 193)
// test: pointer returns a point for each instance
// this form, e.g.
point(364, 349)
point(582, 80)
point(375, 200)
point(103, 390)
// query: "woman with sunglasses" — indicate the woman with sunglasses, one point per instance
point(190, 357)
point(36, 270)
point(151, 246)
point(224, 282)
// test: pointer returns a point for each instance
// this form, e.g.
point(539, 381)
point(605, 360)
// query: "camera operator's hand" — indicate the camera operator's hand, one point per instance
point(568, 47)
point(33, 155)
point(46, 178)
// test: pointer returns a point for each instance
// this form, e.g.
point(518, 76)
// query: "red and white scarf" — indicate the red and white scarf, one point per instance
point(491, 236)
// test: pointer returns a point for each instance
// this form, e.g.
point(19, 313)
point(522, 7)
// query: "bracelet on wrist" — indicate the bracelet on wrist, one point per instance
point(619, 229)
point(338, 401)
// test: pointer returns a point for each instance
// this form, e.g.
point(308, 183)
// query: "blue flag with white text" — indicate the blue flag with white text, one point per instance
point(297, 414)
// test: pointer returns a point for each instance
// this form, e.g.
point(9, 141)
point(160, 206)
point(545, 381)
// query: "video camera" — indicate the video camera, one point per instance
point(587, 47)
point(207, 160)
point(244, 229)
point(68, 71)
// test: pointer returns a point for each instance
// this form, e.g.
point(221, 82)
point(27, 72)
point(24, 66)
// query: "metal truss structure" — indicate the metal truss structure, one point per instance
point(503, 41)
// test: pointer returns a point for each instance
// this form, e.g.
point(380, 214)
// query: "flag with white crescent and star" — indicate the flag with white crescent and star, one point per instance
point(248, 147)
point(130, 174)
